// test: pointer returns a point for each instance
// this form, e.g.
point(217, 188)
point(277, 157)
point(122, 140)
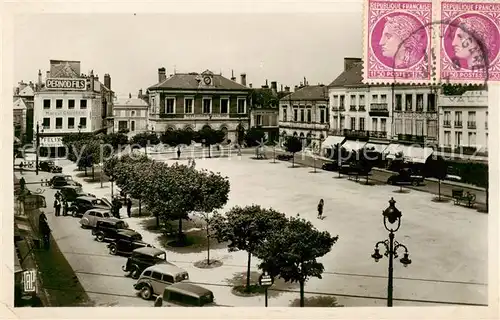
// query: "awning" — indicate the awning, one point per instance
point(393, 149)
point(355, 145)
point(378, 147)
point(413, 154)
point(331, 141)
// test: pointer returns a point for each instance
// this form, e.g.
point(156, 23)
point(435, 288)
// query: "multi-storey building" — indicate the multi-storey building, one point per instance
point(131, 114)
point(70, 102)
point(195, 100)
point(464, 121)
point(304, 114)
point(23, 95)
point(393, 118)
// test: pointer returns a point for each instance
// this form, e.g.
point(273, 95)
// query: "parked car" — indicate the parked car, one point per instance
point(330, 166)
point(154, 279)
point(186, 294)
point(284, 157)
point(49, 166)
point(82, 204)
point(90, 217)
point(70, 193)
point(127, 242)
point(61, 180)
point(354, 168)
point(113, 229)
point(406, 176)
point(143, 258)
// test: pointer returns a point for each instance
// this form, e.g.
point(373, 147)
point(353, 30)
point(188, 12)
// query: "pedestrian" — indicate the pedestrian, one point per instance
point(193, 164)
point(65, 208)
point(129, 206)
point(178, 153)
point(21, 165)
point(320, 209)
point(22, 184)
point(57, 207)
point(116, 205)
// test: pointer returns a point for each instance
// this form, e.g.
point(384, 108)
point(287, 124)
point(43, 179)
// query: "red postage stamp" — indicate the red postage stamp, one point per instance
point(470, 41)
point(397, 41)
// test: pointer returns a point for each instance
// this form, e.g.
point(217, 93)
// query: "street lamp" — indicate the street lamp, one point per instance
point(391, 216)
point(37, 151)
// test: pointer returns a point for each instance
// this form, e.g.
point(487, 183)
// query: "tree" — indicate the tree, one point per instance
point(439, 171)
point(291, 253)
point(254, 137)
point(170, 137)
point(293, 145)
point(247, 229)
point(116, 140)
point(210, 137)
point(144, 139)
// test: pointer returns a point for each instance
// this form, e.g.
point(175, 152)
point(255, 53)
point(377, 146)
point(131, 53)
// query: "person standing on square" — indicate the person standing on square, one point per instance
point(320, 208)
point(129, 206)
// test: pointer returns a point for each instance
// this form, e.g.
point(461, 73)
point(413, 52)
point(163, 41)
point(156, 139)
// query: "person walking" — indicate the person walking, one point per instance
point(57, 206)
point(44, 229)
point(129, 206)
point(320, 209)
point(22, 184)
point(178, 153)
point(65, 208)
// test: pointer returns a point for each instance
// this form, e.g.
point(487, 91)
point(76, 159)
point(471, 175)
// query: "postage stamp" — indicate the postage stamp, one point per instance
point(470, 41)
point(397, 41)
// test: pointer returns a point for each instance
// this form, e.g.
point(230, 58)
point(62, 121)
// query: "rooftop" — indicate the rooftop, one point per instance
point(350, 77)
point(192, 81)
point(316, 92)
point(133, 102)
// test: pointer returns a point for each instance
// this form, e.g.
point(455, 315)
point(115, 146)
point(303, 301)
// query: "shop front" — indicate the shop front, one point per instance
point(52, 147)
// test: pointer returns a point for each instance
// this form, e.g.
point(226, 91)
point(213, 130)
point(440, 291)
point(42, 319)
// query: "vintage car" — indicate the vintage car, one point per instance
point(113, 229)
point(70, 193)
point(82, 204)
point(90, 218)
point(154, 279)
point(49, 166)
point(61, 180)
point(126, 243)
point(406, 176)
point(186, 294)
point(143, 258)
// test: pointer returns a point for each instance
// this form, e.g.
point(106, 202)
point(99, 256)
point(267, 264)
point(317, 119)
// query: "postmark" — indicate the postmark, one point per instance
point(397, 43)
point(470, 41)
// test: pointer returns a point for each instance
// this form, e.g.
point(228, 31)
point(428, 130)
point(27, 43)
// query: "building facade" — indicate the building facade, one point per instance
point(195, 100)
point(23, 95)
point(304, 114)
point(70, 102)
point(131, 115)
point(464, 121)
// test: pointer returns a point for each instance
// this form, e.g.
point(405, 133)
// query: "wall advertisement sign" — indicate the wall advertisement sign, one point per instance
point(66, 84)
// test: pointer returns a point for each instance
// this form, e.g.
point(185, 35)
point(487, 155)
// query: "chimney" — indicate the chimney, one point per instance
point(287, 89)
point(233, 78)
point(162, 74)
point(244, 79)
point(140, 94)
point(47, 75)
point(281, 90)
point(296, 88)
point(91, 80)
point(39, 77)
point(349, 62)
point(274, 86)
point(31, 85)
point(107, 81)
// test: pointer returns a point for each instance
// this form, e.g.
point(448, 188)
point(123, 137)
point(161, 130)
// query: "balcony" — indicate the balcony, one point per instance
point(304, 125)
point(379, 109)
point(378, 134)
point(447, 123)
point(207, 116)
point(352, 108)
point(458, 124)
point(361, 108)
point(411, 138)
point(356, 134)
point(471, 124)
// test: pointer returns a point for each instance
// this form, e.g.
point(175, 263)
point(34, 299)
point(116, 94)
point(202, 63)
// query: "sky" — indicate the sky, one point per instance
point(283, 47)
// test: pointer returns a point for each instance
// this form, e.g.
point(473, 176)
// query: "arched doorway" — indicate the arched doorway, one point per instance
point(308, 140)
point(295, 134)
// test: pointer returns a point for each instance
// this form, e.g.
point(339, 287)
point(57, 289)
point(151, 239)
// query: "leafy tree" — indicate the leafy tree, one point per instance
point(439, 171)
point(291, 253)
point(293, 145)
point(210, 137)
point(116, 140)
point(144, 139)
point(247, 229)
point(254, 137)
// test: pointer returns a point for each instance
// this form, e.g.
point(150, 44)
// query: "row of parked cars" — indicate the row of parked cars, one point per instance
point(148, 265)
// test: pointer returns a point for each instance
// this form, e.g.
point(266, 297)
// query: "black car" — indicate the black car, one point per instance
point(70, 193)
point(355, 168)
point(49, 166)
point(126, 242)
point(81, 204)
point(62, 180)
point(406, 176)
point(142, 258)
point(113, 229)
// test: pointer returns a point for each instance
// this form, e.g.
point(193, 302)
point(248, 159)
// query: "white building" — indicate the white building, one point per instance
point(131, 114)
point(69, 102)
point(464, 121)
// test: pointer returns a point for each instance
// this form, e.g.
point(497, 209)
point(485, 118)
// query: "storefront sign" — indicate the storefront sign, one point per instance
point(62, 113)
point(51, 142)
point(66, 84)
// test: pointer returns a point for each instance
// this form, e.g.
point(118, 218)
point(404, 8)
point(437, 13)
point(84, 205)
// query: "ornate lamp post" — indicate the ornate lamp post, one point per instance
point(392, 216)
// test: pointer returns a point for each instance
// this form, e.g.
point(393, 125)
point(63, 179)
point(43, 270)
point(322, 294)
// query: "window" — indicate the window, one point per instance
point(92, 213)
point(409, 102)
point(83, 123)
point(420, 102)
point(374, 124)
point(59, 104)
point(224, 105)
point(301, 115)
point(472, 139)
point(170, 105)
point(471, 120)
point(285, 118)
point(242, 106)
point(322, 115)
point(156, 275)
point(98, 214)
point(335, 122)
point(71, 123)
point(342, 102)
point(168, 278)
point(408, 126)
point(361, 102)
point(458, 139)
point(188, 105)
point(362, 124)
point(458, 119)
point(383, 98)
point(353, 100)
point(83, 104)
point(431, 102)
point(447, 116)
point(374, 98)
point(398, 126)
point(399, 102)
point(335, 101)
point(309, 115)
point(132, 113)
point(122, 125)
point(46, 123)
point(295, 115)
point(132, 125)
point(71, 104)
point(353, 123)
point(419, 127)
point(59, 123)
point(447, 138)
point(46, 103)
point(258, 119)
point(383, 125)
point(432, 129)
